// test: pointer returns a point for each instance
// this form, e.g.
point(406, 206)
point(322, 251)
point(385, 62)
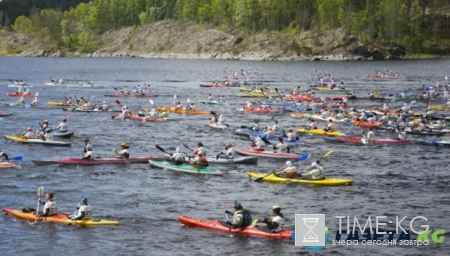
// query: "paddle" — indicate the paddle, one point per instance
point(17, 158)
point(40, 192)
point(118, 103)
point(162, 150)
point(217, 156)
point(302, 157)
point(323, 157)
point(186, 146)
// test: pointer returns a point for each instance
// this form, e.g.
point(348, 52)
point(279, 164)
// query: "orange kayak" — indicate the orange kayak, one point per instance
point(182, 111)
point(216, 225)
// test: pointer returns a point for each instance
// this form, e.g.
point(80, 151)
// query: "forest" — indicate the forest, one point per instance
point(418, 25)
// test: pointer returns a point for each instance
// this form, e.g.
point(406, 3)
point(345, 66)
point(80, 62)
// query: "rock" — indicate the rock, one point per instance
point(238, 40)
point(361, 50)
point(377, 55)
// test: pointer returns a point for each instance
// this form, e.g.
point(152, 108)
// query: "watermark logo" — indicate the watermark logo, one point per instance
point(309, 229)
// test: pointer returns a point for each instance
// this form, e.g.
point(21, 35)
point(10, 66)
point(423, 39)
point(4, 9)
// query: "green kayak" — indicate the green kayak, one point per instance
point(184, 168)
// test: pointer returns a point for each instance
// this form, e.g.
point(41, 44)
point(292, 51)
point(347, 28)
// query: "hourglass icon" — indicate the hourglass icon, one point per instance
point(310, 236)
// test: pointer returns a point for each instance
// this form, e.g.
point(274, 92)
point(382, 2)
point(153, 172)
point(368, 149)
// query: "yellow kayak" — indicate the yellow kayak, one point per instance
point(245, 89)
point(182, 111)
point(60, 218)
point(320, 132)
point(59, 104)
point(325, 182)
point(257, 95)
point(37, 141)
point(440, 107)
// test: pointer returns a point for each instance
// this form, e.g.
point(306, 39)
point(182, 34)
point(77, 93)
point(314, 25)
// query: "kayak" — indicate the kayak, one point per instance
point(368, 124)
point(60, 104)
point(298, 98)
point(269, 154)
point(84, 110)
point(376, 75)
point(60, 218)
point(235, 160)
point(182, 111)
point(209, 102)
point(328, 89)
point(220, 85)
point(217, 225)
point(318, 117)
point(440, 107)
point(258, 110)
point(250, 132)
point(186, 168)
point(274, 141)
point(6, 165)
point(124, 95)
point(246, 89)
point(95, 161)
point(324, 182)
point(320, 132)
point(146, 119)
point(15, 94)
point(5, 114)
point(221, 127)
point(37, 141)
point(355, 140)
point(428, 132)
point(257, 95)
point(432, 142)
point(62, 134)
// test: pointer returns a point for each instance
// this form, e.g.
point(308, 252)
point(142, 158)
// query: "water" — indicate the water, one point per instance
point(389, 180)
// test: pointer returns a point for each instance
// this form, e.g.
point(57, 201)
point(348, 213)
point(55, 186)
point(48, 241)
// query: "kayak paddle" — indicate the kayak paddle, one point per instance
point(40, 192)
point(118, 102)
point(17, 158)
point(302, 157)
point(162, 150)
point(186, 146)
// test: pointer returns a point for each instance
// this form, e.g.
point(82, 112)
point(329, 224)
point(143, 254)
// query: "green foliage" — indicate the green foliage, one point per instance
point(23, 24)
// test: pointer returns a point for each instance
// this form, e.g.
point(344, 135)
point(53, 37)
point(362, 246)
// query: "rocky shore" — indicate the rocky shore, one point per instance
point(176, 40)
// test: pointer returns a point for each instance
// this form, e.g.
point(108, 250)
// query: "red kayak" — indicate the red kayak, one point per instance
point(216, 225)
point(355, 140)
point(15, 94)
point(6, 165)
point(299, 98)
point(350, 97)
point(95, 161)
point(123, 95)
point(258, 110)
point(219, 85)
point(270, 154)
point(5, 114)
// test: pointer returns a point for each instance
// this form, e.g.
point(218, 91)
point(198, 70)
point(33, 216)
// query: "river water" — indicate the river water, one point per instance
point(390, 181)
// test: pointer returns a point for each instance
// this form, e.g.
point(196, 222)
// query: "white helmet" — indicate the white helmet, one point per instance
point(177, 150)
point(274, 127)
point(289, 163)
point(314, 164)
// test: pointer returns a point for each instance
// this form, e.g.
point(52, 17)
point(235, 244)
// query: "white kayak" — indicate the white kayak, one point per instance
point(221, 127)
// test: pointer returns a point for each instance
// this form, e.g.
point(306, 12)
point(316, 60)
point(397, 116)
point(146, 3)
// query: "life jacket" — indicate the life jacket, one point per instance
point(247, 220)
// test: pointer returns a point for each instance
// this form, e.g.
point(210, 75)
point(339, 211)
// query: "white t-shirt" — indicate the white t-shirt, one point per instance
point(51, 205)
point(280, 221)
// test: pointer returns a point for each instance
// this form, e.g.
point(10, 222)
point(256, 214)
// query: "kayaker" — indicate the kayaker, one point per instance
point(288, 171)
point(241, 217)
point(199, 161)
point(281, 147)
point(370, 135)
point(20, 101)
point(62, 127)
point(124, 152)
point(255, 126)
point(291, 136)
point(3, 157)
point(221, 121)
point(249, 105)
point(200, 149)
point(314, 172)
point(330, 126)
point(35, 101)
point(230, 150)
point(47, 136)
point(209, 97)
point(87, 152)
point(84, 211)
point(28, 134)
point(45, 126)
point(312, 125)
point(275, 221)
point(50, 208)
point(258, 144)
point(104, 106)
point(401, 134)
point(177, 157)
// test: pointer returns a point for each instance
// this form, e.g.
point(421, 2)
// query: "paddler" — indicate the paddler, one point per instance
point(314, 172)
point(275, 221)
point(104, 106)
point(281, 147)
point(124, 152)
point(249, 105)
point(209, 98)
point(28, 134)
point(258, 144)
point(35, 101)
point(241, 217)
point(20, 101)
point(220, 120)
point(370, 135)
point(330, 126)
point(401, 134)
point(178, 157)
point(45, 126)
point(200, 149)
point(230, 151)
point(3, 157)
point(288, 171)
point(50, 208)
point(84, 211)
point(255, 126)
point(312, 125)
point(87, 152)
point(291, 136)
point(47, 136)
point(62, 127)
point(199, 161)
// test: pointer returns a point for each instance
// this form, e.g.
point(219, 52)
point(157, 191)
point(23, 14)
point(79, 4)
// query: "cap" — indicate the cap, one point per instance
point(288, 163)
point(238, 207)
point(84, 200)
point(276, 207)
point(124, 145)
